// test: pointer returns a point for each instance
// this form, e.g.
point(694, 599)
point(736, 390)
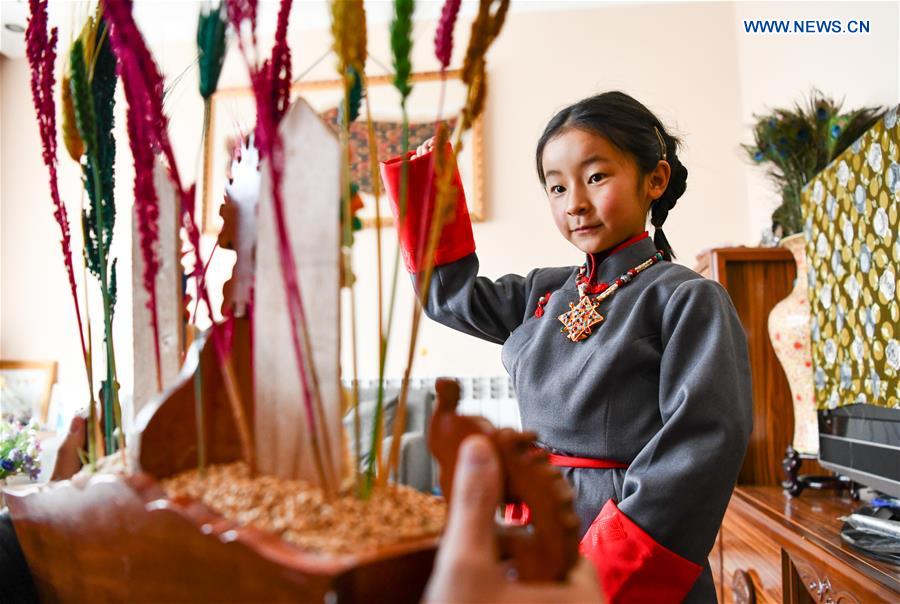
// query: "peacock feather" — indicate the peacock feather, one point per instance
point(796, 144)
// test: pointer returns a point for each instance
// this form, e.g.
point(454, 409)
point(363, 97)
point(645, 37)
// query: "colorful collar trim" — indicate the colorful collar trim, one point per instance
point(543, 300)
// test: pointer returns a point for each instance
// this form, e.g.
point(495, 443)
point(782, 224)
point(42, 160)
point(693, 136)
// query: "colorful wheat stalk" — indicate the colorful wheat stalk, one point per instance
point(90, 33)
point(443, 50)
point(211, 45)
point(146, 211)
point(271, 87)
point(92, 82)
point(143, 86)
point(349, 40)
point(350, 203)
point(443, 42)
point(212, 25)
point(443, 36)
point(348, 26)
point(375, 179)
point(41, 53)
point(99, 66)
point(75, 147)
point(485, 28)
point(401, 47)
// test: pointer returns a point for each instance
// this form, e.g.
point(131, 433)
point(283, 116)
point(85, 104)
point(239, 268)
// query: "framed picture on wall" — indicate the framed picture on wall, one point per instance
point(25, 388)
point(233, 115)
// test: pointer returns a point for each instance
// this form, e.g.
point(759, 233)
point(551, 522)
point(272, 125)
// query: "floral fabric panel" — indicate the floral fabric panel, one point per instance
point(851, 226)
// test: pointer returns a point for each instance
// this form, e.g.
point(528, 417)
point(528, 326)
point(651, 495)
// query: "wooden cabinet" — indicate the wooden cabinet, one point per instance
point(757, 279)
point(771, 547)
point(777, 548)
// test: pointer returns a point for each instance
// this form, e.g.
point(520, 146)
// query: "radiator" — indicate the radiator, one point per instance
point(491, 397)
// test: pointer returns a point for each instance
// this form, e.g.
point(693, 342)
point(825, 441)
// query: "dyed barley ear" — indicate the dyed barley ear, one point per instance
point(485, 28)
point(41, 54)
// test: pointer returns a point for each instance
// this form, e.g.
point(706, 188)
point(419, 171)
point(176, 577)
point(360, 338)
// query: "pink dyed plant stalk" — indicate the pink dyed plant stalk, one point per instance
point(271, 88)
point(146, 207)
point(443, 50)
point(41, 52)
point(243, 11)
point(443, 37)
point(143, 86)
point(278, 67)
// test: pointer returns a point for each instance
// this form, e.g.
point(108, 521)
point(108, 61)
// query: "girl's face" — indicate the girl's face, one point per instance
point(597, 194)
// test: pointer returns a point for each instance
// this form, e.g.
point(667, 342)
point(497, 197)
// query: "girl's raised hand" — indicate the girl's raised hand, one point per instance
point(425, 147)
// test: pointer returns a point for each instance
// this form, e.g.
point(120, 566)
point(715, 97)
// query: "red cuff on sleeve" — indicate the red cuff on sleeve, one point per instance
point(632, 567)
point(456, 239)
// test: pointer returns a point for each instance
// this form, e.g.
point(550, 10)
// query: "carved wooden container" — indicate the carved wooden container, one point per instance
point(120, 538)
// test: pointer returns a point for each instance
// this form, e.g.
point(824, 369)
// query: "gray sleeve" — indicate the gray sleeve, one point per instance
point(678, 486)
point(474, 305)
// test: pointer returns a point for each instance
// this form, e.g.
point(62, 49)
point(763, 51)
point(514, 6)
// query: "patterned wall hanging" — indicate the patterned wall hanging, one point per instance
point(233, 116)
point(851, 225)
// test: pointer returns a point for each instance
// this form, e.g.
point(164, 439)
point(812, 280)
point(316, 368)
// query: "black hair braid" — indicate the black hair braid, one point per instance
point(661, 207)
point(628, 125)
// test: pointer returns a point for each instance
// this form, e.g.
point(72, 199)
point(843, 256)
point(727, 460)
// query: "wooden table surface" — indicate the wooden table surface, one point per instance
point(815, 515)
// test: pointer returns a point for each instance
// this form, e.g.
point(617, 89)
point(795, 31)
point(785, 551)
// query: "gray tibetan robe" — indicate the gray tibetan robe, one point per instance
point(663, 384)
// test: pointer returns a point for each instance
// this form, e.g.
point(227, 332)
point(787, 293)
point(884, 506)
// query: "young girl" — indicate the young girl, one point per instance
point(632, 370)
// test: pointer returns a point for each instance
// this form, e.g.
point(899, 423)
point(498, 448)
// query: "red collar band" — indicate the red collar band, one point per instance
point(598, 257)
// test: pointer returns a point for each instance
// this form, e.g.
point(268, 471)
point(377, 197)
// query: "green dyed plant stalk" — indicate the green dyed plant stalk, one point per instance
point(211, 46)
point(97, 245)
point(357, 428)
point(401, 47)
point(347, 248)
point(376, 180)
point(348, 28)
point(93, 35)
point(382, 356)
point(485, 29)
point(89, 362)
point(349, 111)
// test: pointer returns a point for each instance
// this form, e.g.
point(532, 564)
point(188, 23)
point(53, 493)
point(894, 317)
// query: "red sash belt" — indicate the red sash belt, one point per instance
point(518, 513)
point(630, 565)
point(566, 461)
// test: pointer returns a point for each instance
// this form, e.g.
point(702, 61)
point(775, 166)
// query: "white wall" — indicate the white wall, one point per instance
point(691, 63)
point(38, 320)
point(542, 62)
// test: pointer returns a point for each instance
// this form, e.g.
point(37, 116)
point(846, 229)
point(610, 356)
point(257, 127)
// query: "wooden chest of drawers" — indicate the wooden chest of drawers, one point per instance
point(774, 548)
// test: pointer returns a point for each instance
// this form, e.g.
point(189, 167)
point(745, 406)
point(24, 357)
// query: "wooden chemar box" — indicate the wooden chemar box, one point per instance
point(117, 538)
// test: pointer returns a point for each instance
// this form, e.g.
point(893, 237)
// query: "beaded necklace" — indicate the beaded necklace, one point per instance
point(581, 317)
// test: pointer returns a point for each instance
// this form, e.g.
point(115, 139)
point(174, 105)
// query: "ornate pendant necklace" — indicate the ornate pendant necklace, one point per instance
point(583, 316)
